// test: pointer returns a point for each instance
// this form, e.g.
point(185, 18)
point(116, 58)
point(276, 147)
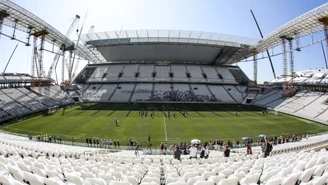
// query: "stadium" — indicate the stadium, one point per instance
point(145, 95)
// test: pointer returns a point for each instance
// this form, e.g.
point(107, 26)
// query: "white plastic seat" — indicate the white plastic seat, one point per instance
point(207, 174)
point(151, 179)
point(119, 183)
point(131, 180)
point(33, 178)
point(216, 179)
point(177, 183)
point(306, 175)
point(85, 175)
point(204, 183)
point(6, 180)
point(51, 181)
point(94, 181)
point(172, 179)
point(74, 179)
point(320, 169)
point(18, 175)
point(227, 182)
point(320, 180)
point(193, 180)
point(291, 179)
point(249, 179)
point(226, 172)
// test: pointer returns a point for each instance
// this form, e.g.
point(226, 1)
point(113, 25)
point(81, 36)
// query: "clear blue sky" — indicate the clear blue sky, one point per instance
point(222, 16)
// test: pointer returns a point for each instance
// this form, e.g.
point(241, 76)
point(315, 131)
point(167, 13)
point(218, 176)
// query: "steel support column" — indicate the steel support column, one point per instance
point(41, 72)
point(255, 68)
point(63, 67)
point(284, 64)
point(291, 66)
point(69, 70)
point(34, 56)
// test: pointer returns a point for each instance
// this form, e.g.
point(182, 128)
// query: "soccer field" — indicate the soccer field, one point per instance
point(204, 121)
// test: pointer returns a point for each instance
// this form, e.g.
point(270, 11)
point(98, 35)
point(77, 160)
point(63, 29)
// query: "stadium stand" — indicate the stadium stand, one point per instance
point(122, 93)
point(142, 92)
point(24, 161)
point(179, 73)
point(113, 73)
point(129, 72)
point(226, 75)
point(98, 74)
point(21, 98)
point(211, 74)
point(162, 73)
point(12, 107)
point(146, 72)
point(195, 73)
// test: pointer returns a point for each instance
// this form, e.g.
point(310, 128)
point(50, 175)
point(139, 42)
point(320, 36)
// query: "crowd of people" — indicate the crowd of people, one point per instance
point(182, 96)
point(103, 143)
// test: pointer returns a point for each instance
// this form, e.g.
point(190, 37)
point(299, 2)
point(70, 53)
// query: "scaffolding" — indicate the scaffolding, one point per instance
point(284, 64)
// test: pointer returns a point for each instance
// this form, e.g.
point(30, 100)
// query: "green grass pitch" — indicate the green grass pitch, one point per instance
point(204, 121)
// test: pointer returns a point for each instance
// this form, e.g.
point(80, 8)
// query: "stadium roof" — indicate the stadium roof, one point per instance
point(207, 47)
point(306, 24)
point(169, 45)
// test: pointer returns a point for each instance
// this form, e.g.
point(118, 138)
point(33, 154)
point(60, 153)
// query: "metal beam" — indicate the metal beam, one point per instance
point(267, 51)
point(10, 58)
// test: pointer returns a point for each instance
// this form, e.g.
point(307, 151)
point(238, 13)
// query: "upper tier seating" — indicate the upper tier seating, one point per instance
point(146, 72)
point(98, 74)
point(113, 72)
point(162, 73)
point(179, 73)
point(212, 74)
point(129, 72)
point(196, 74)
point(226, 75)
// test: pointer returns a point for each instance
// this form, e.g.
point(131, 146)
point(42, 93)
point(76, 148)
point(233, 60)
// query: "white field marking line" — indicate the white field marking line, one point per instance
point(165, 128)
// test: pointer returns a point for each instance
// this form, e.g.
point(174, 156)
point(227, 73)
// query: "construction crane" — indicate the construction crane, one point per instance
point(59, 51)
point(74, 68)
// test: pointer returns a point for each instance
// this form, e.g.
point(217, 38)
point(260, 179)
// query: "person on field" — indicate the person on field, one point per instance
point(117, 122)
